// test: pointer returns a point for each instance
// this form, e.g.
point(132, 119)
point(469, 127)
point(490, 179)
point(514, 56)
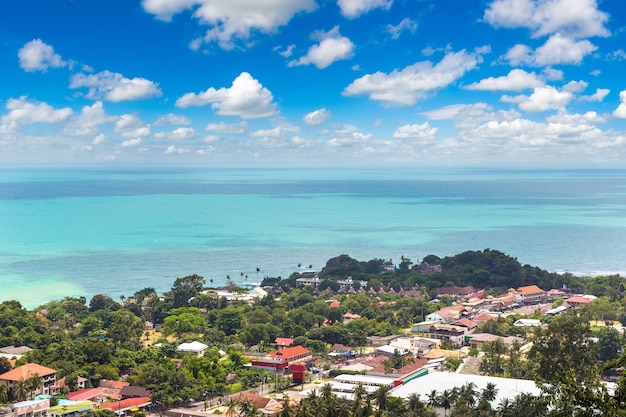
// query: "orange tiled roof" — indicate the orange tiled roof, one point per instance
point(529, 289)
point(22, 373)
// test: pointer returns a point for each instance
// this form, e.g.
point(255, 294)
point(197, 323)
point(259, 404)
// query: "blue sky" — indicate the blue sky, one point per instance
point(214, 83)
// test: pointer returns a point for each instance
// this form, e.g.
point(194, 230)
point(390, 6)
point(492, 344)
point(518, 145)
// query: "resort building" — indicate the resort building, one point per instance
point(291, 355)
point(196, 348)
point(530, 294)
point(24, 372)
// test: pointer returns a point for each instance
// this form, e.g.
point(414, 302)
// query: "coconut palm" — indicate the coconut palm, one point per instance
point(382, 399)
point(21, 389)
point(4, 394)
point(232, 407)
point(34, 383)
point(446, 400)
point(489, 392)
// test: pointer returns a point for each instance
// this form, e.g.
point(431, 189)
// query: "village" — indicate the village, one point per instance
point(441, 353)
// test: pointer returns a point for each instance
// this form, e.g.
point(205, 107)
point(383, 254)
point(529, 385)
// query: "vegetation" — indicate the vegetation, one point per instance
point(108, 339)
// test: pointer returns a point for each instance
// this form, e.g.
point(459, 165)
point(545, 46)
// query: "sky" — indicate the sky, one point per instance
point(313, 83)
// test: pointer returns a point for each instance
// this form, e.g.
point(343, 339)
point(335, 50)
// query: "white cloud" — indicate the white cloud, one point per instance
point(23, 111)
point(276, 132)
point(444, 113)
point(227, 128)
point(131, 126)
point(233, 20)
point(317, 117)
point(172, 119)
point(355, 8)
point(181, 133)
point(172, 149)
point(405, 25)
point(38, 56)
point(115, 87)
point(89, 120)
point(101, 138)
point(571, 18)
point(515, 80)
point(591, 117)
point(542, 99)
point(352, 139)
point(285, 53)
point(416, 131)
point(132, 143)
point(246, 98)
point(416, 81)
point(597, 97)
point(620, 111)
point(331, 48)
point(557, 50)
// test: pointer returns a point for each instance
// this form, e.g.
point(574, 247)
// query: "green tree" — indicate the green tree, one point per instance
point(609, 344)
point(186, 288)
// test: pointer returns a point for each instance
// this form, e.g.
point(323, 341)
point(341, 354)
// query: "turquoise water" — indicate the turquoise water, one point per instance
point(88, 232)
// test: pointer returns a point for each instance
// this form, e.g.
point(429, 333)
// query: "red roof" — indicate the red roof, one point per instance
point(289, 353)
point(578, 299)
point(335, 303)
point(127, 403)
point(284, 341)
point(84, 394)
point(22, 373)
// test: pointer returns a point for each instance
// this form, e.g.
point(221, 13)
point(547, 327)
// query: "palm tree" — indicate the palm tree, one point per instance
point(382, 399)
point(505, 408)
point(433, 399)
point(489, 392)
point(446, 400)
point(468, 393)
point(4, 394)
point(232, 406)
point(360, 393)
point(34, 383)
point(21, 389)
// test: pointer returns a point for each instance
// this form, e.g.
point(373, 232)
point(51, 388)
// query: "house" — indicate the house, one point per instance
point(24, 372)
point(578, 300)
point(134, 391)
point(112, 389)
point(468, 324)
point(434, 317)
point(263, 404)
point(348, 317)
point(478, 340)
point(340, 350)
point(291, 355)
point(455, 292)
point(128, 406)
point(197, 348)
point(312, 281)
point(456, 334)
point(482, 318)
point(530, 294)
point(283, 342)
point(80, 383)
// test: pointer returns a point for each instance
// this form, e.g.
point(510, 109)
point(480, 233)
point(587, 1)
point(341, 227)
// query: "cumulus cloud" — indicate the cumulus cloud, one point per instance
point(172, 119)
point(233, 20)
point(178, 134)
point(227, 128)
point(416, 131)
point(571, 18)
point(89, 120)
point(132, 143)
point(246, 98)
point(111, 86)
point(317, 117)
point(406, 25)
point(515, 80)
point(23, 111)
point(38, 56)
point(542, 99)
point(558, 50)
point(332, 47)
point(131, 126)
point(620, 111)
point(355, 8)
point(417, 81)
point(596, 97)
point(285, 53)
point(264, 133)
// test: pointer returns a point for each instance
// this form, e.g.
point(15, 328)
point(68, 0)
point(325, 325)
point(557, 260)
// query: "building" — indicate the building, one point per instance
point(456, 292)
point(291, 355)
point(24, 372)
point(530, 294)
point(283, 342)
point(197, 348)
point(312, 281)
point(36, 408)
point(578, 300)
point(455, 334)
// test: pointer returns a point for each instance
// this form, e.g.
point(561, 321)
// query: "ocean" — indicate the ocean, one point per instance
point(85, 232)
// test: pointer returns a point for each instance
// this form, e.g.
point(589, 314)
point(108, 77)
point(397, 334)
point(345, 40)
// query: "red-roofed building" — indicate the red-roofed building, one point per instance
point(292, 355)
point(129, 405)
point(24, 372)
point(578, 300)
point(283, 342)
point(112, 389)
point(86, 394)
point(482, 318)
point(455, 292)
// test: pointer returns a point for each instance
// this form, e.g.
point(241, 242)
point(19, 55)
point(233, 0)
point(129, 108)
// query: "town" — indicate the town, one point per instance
point(473, 334)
